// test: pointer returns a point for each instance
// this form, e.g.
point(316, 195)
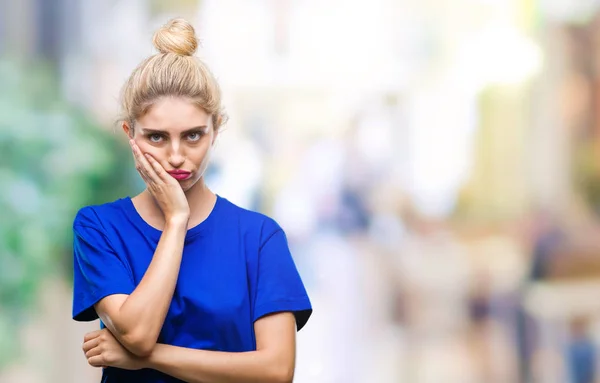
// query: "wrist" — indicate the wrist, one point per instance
point(145, 362)
point(149, 361)
point(177, 221)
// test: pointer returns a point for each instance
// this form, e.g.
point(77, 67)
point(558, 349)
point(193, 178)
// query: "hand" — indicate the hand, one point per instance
point(102, 349)
point(165, 189)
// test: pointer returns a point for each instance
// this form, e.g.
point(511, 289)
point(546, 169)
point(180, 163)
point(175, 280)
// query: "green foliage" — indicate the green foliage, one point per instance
point(53, 160)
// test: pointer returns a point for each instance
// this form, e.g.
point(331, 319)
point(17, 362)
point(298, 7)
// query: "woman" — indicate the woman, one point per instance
point(188, 286)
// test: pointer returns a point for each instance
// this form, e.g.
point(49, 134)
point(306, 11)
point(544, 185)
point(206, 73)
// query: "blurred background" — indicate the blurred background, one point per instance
point(435, 164)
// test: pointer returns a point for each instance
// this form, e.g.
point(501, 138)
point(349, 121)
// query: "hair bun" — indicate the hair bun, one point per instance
point(177, 36)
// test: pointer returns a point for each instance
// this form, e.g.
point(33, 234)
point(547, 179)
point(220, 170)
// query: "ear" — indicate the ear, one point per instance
point(127, 129)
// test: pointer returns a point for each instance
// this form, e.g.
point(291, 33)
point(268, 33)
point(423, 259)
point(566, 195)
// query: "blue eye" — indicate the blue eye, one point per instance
point(195, 136)
point(155, 138)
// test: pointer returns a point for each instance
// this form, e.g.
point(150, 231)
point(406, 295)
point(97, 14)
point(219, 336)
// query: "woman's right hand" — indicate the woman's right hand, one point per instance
point(165, 189)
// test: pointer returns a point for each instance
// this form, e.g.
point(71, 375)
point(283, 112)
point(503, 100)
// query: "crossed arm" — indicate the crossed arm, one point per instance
point(273, 361)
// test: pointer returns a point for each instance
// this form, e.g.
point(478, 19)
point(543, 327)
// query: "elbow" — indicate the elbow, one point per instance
point(143, 349)
point(284, 373)
point(286, 377)
point(141, 346)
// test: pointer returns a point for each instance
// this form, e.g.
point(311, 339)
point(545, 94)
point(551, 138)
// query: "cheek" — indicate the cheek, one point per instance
point(201, 160)
point(142, 144)
point(145, 147)
point(202, 155)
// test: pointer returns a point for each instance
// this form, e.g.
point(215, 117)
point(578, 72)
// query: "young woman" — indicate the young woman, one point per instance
point(188, 286)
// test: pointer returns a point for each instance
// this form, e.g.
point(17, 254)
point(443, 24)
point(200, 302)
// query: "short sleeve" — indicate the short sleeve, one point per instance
point(280, 286)
point(97, 269)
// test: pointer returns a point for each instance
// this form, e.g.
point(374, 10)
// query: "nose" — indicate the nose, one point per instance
point(176, 158)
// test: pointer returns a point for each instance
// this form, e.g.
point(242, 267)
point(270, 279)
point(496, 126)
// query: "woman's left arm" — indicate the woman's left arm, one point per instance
point(273, 361)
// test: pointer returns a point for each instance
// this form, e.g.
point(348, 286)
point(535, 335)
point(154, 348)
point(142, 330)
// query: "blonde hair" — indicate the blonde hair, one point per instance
point(173, 72)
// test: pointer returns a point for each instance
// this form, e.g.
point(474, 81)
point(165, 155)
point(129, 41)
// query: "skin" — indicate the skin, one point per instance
point(177, 135)
point(180, 136)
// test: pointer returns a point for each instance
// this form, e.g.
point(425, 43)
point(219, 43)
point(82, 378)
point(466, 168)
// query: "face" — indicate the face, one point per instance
point(179, 135)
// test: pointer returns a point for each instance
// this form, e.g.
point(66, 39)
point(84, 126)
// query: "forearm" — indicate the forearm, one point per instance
point(142, 314)
point(200, 366)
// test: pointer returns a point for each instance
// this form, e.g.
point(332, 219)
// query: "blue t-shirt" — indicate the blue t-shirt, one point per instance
point(236, 268)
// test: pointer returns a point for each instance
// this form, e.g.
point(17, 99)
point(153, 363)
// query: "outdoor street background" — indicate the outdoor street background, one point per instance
point(435, 164)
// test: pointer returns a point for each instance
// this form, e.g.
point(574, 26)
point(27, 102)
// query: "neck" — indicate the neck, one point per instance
point(199, 197)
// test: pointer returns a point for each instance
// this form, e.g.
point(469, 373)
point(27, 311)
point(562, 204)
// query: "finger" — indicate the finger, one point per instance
point(140, 169)
point(90, 344)
point(158, 169)
point(139, 160)
point(131, 143)
point(138, 165)
point(144, 166)
point(135, 150)
point(96, 361)
point(92, 335)
point(93, 352)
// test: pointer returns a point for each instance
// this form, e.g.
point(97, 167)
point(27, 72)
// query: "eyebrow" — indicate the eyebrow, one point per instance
point(157, 131)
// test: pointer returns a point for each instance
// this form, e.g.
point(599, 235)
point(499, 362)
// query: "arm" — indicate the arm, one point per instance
point(136, 319)
point(272, 362)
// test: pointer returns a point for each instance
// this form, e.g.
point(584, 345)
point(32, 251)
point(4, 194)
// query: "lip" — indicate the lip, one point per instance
point(180, 174)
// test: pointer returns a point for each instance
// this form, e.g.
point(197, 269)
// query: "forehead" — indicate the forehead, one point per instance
point(173, 115)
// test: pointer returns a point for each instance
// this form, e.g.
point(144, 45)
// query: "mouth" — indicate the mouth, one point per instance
point(180, 175)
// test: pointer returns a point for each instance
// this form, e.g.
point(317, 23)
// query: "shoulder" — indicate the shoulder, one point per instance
point(249, 220)
point(94, 216)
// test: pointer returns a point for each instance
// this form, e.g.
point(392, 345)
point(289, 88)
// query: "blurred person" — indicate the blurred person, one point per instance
point(563, 252)
point(546, 237)
point(188, 286)
point(489, 331)
point(581, 352)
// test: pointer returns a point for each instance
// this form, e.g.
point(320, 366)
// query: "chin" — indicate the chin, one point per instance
point(186, 185)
